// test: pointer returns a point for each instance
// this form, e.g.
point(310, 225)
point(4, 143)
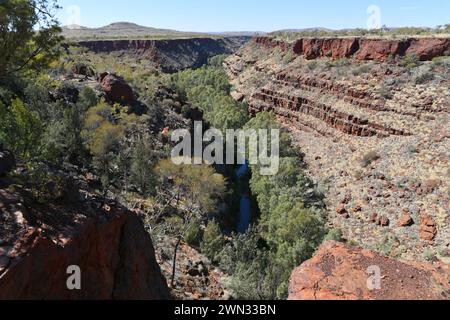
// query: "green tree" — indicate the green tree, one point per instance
point(208, 88)
point(213, 242)
point(20, 129)
point(21, 45)
point(142, 162)
point(103, 144)
point(291, 224)
point(87, 99)
point(254, 273)
point(194, 191)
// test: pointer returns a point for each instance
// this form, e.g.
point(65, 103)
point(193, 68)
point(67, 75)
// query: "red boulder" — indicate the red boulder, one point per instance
point(429, 48)
point(380, 49)
point(117, 89)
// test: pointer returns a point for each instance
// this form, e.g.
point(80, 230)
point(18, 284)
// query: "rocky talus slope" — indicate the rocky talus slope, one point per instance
point(38, 242)
point(340, 272)
point(195, 277)
point(372, 117)
point(170, 55)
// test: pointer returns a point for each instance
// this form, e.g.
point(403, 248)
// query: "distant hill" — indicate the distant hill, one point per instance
point(384, 31)
point(122, 30)
point(127, 30)
point(239, 33)
point(302, 30)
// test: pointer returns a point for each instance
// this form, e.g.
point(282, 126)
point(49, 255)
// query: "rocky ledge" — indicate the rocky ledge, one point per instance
point(362, 49)
point(340, 272)
point(107, 242)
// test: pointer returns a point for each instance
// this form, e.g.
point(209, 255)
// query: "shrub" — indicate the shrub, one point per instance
point(256, 280)
point(385, 92)
point(369, 158)
point(387, 244)
point(353, 243)
point(338, 63)
point(288, 57)
point(312, 65)
point(366, 68)
point(429, 255)
point(410, 62)
point(253, 272)
point(62, 140)
point(424, 78)
point(20, 129)
point(141, 169)
point(213, 242)
point(334, 235)
point(87, 99)
point(194, 233)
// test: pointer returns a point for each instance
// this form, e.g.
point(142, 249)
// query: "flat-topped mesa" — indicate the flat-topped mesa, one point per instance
point(360, 48)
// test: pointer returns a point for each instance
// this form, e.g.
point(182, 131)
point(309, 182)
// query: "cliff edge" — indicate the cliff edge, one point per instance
point(39, 242)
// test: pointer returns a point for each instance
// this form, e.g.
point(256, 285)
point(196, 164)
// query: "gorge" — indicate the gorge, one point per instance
point(170, 55)
point(368, 119)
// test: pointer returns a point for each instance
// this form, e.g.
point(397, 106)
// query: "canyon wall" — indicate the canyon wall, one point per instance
point(108, 243)
point(361, 48)
point(373, 127)
point(170, 55)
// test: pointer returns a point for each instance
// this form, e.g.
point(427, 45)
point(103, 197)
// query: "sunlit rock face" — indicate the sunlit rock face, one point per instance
point(109, 245)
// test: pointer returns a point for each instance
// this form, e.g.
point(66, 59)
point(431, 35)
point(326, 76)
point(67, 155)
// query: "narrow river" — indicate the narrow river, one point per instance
point(245, 208)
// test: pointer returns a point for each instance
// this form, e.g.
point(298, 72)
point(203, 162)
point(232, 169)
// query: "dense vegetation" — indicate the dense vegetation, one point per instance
point(289, 229)
point(291, 225)
point(209, 89)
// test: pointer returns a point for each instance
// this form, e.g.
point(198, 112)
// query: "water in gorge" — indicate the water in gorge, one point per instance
point(245, 206)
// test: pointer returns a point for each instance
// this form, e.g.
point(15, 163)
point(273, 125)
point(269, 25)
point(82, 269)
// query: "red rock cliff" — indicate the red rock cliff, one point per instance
point(109, 244)
point(361, 49)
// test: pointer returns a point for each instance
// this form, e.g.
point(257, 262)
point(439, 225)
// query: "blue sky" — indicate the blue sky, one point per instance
point(253, 15)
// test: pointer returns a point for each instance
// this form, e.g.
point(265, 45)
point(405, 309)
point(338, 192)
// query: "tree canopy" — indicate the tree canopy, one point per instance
point(29, 34)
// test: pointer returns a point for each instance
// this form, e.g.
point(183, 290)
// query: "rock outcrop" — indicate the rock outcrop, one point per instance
point(38, 243)
point(428, 228)
point(7, 161)
point(171, 55)
point(335, 48)
point(116, 88)
point(270, 43)
point(340, 272)
point(427, 49)
point(360, 48)
point(83, 70)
